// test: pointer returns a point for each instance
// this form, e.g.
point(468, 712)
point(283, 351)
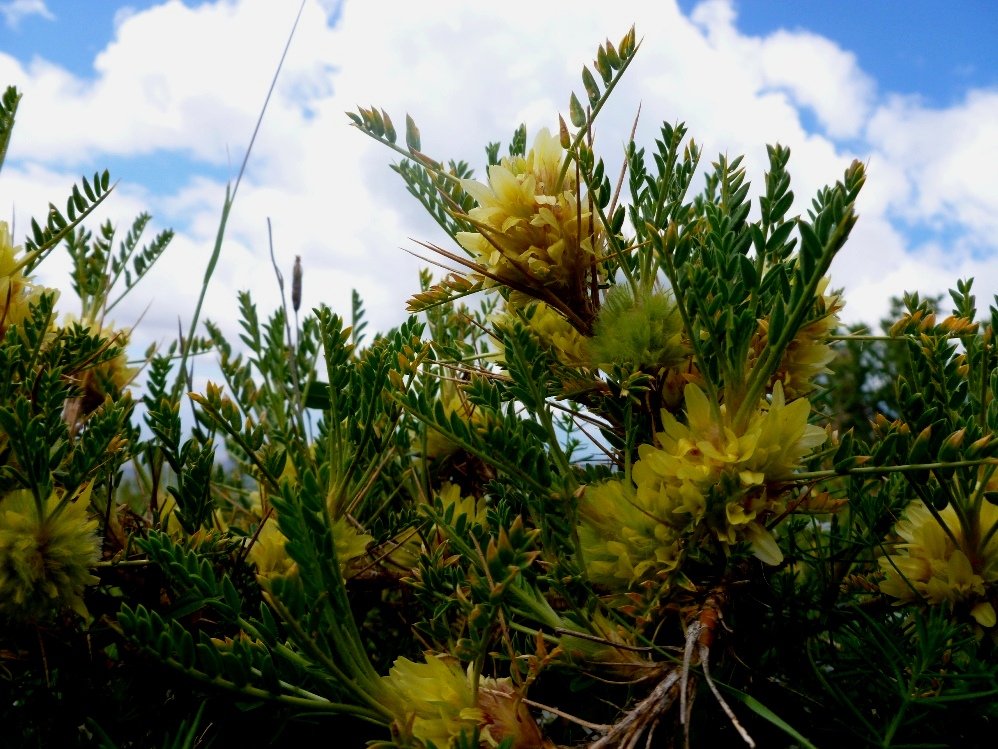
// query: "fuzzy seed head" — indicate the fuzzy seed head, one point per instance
point(645, 330)
point(45, 560)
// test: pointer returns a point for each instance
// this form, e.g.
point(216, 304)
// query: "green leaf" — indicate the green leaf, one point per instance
point(576, 112)
point(412, 134)
point(592, 90)
point(603, 66)
point(748, 270)
point(318, 396)
point(765, 713)
point(389, 127)
point(611, 56)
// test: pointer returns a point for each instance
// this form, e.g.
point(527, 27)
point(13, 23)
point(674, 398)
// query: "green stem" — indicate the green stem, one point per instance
point(302, 703)
point(878, 470)
point(312, 647)
point(591, 118)
point(615, 245)
point(771, 356)
point(230, 197)
point(670, 271)
point(424, 161)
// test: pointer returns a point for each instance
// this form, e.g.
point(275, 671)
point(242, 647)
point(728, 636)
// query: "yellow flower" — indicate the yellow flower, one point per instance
point(45, 560)
point(551, 329)
point(271, 558)
point(17, 292)
point(268, 553)
point(528, 231)
point(350, 544)
point(558, 333)
point(809, 353)
point(627, 538)
point(713, 474)
point(111, 378)
point(435, 701)
point(402, 552)
point(931, 566)
point(438, 445)
point(476, 510)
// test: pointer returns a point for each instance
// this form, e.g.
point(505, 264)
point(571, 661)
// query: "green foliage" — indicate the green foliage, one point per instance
point(645, 469)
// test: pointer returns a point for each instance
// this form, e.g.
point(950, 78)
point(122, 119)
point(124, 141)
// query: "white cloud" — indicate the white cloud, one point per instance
point(950, 160)
point(190, 81)
point(17, 10)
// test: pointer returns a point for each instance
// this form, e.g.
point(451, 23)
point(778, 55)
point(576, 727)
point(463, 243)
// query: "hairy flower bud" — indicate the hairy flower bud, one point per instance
point(296, 284)
point(45, 559)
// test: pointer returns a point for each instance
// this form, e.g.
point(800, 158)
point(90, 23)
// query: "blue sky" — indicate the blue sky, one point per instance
point(166, 95)
point(937, 50)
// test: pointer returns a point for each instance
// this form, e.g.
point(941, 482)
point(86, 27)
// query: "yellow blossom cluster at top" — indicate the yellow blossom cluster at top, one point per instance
point(931, 567)
point(701, 474)
point(530, 230)
point(17, 291)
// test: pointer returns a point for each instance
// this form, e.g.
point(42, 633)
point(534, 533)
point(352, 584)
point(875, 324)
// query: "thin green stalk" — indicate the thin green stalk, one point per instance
point(932, 510)
point(878, 470)
point(292, 349)
point(534, 632)
point(8, 126)
point(670, 271)
point(592, 117)
point(966, 520)
point(312, 705)
point(988, 536)
point(615, 245)
point(492, 458)
point(230, 197)
point(427, 163)
point(310, 645)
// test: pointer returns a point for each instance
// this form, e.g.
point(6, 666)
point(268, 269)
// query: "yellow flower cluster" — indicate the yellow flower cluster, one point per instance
point(269, 555)
point(45, 561)
point(694, 460)
point(435, 701)
point(703, 472)
point(627, 540)
point(271, 558)
point(530, 231)
point(555, 332)
point(110, 378)
point(475, 509)
point(268, 551)
point(438, 445)
point(932, 567)
point(809, 353)
point(17, 292)
point(640, 327)
point(403, 551)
